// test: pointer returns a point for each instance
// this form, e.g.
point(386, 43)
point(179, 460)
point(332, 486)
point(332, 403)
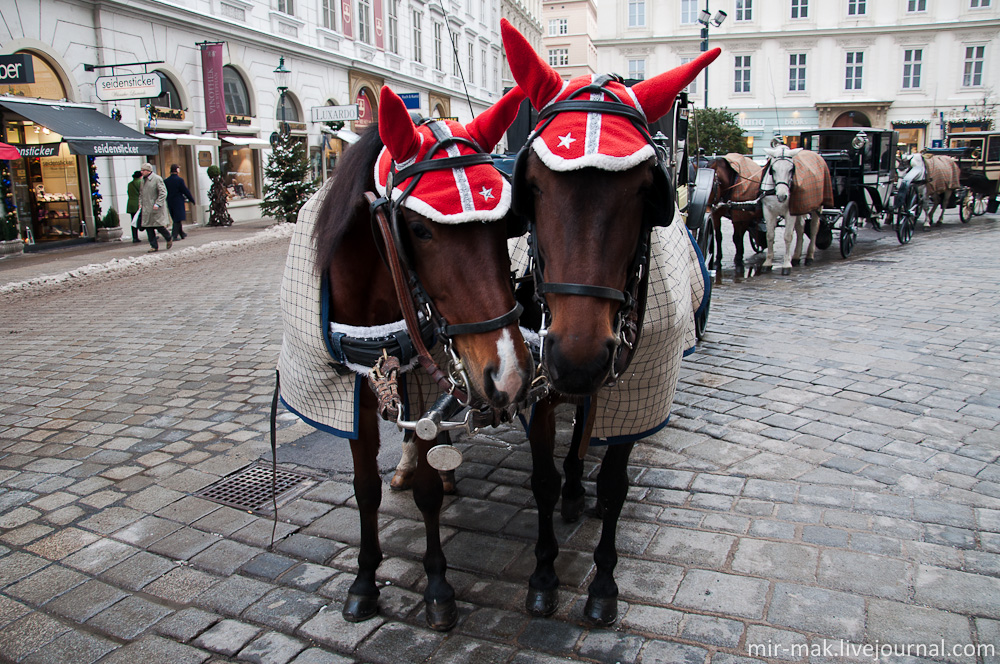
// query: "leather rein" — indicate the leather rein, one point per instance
point(413, 300)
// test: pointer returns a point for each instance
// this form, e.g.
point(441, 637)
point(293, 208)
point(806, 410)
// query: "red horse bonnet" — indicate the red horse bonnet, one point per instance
point(575, 140)
point(450, 195)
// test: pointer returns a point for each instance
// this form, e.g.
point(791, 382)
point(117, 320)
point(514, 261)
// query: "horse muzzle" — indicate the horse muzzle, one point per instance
point(579, 373)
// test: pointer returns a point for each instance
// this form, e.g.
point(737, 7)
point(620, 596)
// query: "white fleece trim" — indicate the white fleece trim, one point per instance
point(373, 332)
point(600, 161)
point(555, 98)
point(413, 202)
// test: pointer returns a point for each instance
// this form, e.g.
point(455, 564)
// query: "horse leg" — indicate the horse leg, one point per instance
point(543, 585)
point(402, 479)
point(814, 221)
point(612, 488)
point(771, 219)
point(572, 490)
point(944, 200)
point(717, 224)
point(428, 494)
point(362, 597)
point(786, 260)
point(799, 227)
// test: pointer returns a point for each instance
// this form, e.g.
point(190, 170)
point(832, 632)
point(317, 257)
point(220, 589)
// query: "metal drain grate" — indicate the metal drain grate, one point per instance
point(250, 488)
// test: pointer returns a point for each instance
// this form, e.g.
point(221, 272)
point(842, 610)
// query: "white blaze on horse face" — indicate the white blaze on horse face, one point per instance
point(507, 377)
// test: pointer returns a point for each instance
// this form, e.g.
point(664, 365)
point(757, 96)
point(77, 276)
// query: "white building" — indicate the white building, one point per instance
point(920, 66)
point(339, 52)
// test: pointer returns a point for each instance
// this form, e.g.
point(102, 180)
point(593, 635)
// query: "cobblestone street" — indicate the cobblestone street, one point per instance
point(828, 484)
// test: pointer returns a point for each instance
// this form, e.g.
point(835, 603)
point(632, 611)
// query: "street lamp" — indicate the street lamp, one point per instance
point(706, 19)
point(281, 77)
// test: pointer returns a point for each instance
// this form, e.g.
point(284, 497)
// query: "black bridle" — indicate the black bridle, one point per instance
point(631, 300)
point(769, 170)
point(421, 300)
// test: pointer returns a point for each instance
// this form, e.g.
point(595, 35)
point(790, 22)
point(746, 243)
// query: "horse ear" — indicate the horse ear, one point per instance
point(771, 152)
point(490, 125)
point(793, 152)
point(656, 95)
point(397, 130)
point(538, 80)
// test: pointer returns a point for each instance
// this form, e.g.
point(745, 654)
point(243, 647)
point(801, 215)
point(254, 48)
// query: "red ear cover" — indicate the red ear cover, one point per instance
point(657, 94)
point(489, 126)
point(397, 130)
point(538, 80)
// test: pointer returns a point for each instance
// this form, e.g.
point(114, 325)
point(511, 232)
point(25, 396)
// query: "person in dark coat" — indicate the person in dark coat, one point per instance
point(177, 191)
point(133, 203)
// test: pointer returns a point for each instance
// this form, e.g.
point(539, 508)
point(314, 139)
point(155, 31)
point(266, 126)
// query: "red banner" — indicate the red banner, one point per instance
point(379, 26)
point(211, 76)
point(345, 12)
point(366, 113)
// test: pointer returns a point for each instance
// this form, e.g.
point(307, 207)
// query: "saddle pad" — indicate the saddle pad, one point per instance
point(942, 173)
point(747, 187)
point(811, 187)
point(639, 404)
point(310, 387)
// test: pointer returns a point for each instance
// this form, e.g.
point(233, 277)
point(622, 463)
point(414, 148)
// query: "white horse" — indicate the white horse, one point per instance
point(935, 179)
point(776, 186)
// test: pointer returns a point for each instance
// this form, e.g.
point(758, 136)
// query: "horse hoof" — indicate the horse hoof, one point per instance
point(448, 482)
point(402, 481)
point(785, 271)
point(541, 603)
point(602, 611)
point(795, 262)
point(442, 616)
point(571, 509)
point(360, 607)
point(767, 268)
point(809, 262)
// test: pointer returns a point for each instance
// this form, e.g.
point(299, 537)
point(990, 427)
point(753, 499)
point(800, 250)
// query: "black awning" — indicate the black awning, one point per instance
point(85, 130)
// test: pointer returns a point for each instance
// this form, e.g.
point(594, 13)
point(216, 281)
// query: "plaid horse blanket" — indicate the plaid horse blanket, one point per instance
point(747, 187)
point(812, 187)
point(638, 405)
point(942, 173)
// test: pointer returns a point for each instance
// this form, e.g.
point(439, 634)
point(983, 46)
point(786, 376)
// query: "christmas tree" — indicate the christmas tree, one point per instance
point(287, 185)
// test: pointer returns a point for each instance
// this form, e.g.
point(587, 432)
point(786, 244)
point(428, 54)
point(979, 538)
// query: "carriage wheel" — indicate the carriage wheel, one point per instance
point(706, 242)
point(758, 239)
point(904, 231)
point(848, 234)
point(966, 208)
point(980, 204)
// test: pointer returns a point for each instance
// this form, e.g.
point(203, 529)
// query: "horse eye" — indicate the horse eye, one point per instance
point(420, 231)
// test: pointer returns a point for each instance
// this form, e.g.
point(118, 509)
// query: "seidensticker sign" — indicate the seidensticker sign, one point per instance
point(132, 86)
point(16, 69)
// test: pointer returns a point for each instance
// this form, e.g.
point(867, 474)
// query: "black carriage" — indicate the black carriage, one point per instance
point(862, 167)
point(978, 157)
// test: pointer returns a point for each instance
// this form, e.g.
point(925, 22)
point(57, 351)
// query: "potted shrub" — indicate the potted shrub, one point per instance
point(109, 229)
point(10, 242)
point(218, 199)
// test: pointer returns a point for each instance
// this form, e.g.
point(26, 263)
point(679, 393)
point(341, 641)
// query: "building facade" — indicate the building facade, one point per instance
point(923, 67)
point(523, 15)
point(569, 29)
point(444, 56)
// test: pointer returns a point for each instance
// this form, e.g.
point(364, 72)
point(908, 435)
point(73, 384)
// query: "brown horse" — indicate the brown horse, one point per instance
point(591, 184)
point(458, 259)
point(727, 190)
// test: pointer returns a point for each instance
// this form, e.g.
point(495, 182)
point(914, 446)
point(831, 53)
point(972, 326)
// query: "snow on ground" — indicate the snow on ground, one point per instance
point(135, 264)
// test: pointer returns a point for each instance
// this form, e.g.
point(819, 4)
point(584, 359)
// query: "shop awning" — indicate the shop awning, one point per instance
point(186, 139)
point(9, 152)
point(84, 129)
point(247, 141)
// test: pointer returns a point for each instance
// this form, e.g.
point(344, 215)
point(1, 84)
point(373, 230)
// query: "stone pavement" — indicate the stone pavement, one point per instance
point(828, 485)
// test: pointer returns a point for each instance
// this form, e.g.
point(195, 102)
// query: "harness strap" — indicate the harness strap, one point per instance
point(582, 289)
point(486, 325)
point(399, 281)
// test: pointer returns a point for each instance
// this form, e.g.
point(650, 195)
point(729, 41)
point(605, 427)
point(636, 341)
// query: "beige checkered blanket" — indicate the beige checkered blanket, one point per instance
point(942, 173)
point(747, 187)
point(812, 187)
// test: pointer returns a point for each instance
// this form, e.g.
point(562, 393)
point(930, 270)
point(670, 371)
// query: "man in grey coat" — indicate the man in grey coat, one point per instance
point(153, 207)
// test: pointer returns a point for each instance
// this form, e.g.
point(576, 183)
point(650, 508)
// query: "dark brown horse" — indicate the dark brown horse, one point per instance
point(460, 261)
point(592, 187)
point(727, 190)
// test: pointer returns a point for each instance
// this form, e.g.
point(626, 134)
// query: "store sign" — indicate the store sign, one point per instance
point(38, 150)
point(334, 113)
point(168, 113)
point(16, 69)
point(410, 99)
point(131, 86)
point(365, 115)
point(212, 82)
point(239, 120)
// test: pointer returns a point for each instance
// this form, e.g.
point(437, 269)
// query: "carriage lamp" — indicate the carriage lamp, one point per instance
point(859, 141)
point(281, 78)
point(706, 19)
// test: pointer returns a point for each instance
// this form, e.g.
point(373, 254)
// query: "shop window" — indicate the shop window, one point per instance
point(240, 166)
point(235, 92)
point(47, 83)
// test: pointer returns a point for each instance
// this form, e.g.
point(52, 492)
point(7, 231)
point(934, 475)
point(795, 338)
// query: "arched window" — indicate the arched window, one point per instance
point(289, 108)
point(47, 83)
point(235, 90)
point(169, 97)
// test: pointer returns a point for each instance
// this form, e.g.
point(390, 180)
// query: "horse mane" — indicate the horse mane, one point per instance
point(345, 198)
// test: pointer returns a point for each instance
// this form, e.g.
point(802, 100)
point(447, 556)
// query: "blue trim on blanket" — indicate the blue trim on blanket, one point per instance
point(707, 294)
point(332, 346)
point(350, 435)
point(600, 442)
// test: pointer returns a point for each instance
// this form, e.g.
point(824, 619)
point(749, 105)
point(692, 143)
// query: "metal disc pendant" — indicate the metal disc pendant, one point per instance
point(444, 457)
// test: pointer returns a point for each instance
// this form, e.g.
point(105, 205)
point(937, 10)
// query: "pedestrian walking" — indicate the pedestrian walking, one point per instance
point(133, 203)
point(177, 192)
point(153, 207)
